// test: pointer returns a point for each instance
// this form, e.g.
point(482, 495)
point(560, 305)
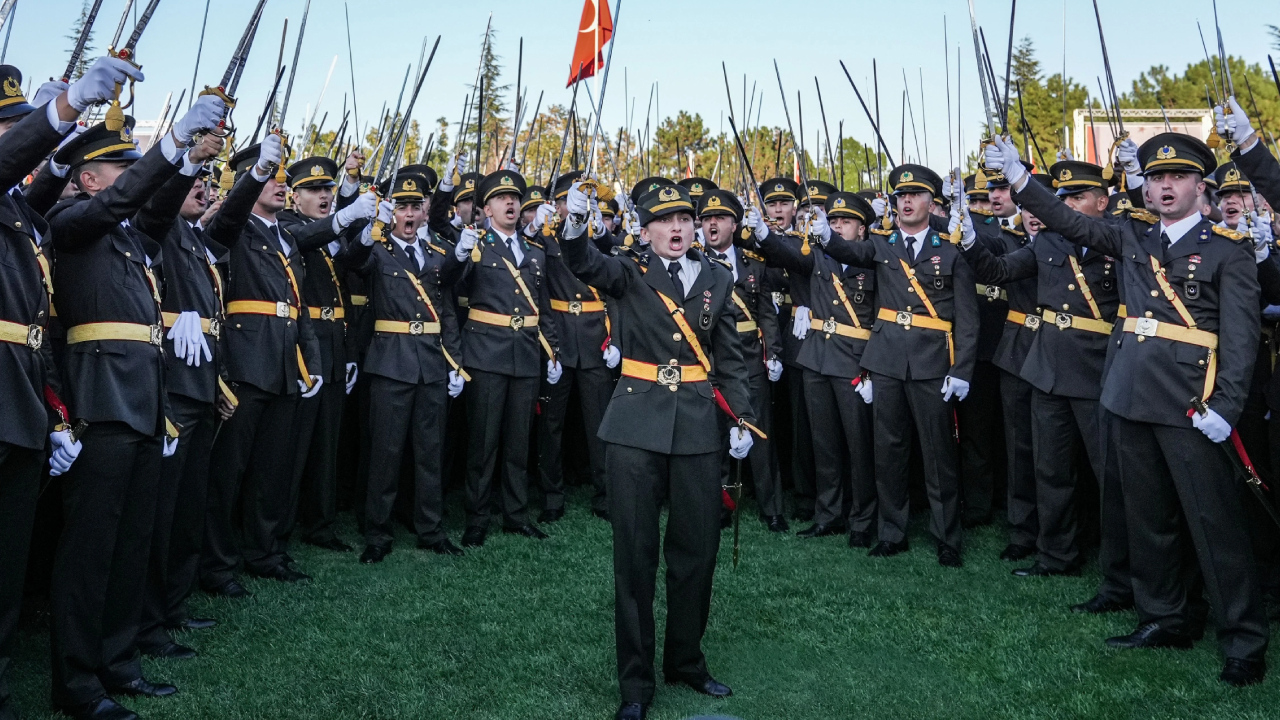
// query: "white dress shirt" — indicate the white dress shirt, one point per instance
point(689, 270)
point(1177, 230)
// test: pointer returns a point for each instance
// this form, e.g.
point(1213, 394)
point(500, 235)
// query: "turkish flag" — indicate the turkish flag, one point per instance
point(594, 30)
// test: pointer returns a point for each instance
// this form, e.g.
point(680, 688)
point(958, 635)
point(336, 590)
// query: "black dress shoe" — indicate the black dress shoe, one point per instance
point(441, 547)
point(1041, 570)
point(631, 711)
point(142, 688)
point(529, 531)
point(1151, 635)
point(333, 544)
point(1017, 552)
point(102, 709)
point(820, 530)
point(859, 539)
point(195, 624)
point(884, 548)
point(474, 537)
point(1239, 673)
point(777, 523)
point(549, 515)
point(602, 514)
point(281, 572)
point(171, 651)
point(374, 554)
point(949, 556)
point(704, 684)
point(230, 589)
point(1098, 605)
point(803, 515)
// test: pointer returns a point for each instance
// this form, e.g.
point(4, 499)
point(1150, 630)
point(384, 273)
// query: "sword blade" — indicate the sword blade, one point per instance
point(81, 41)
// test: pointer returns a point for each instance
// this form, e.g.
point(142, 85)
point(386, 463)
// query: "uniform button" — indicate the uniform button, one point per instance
point(517, 291)
point(1147, 313)
point(910, 289)
point(628, 389)
point(675, 336)
point(395, 274)
point(1071, 286)
point(1190, 275)
point(237, 326)
point(17, 224)
point(417, 314)
point(1066, 306)
point(1155, 293)
point(672, 388)
point(577, 296)
point(835, 302)
point(674, 362)
point(1141, 338)
point(1201, 362)
point(264, 247)
point(908, 308)
point(128, 255)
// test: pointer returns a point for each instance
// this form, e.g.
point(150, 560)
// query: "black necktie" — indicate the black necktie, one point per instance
point(911, 251)
point(413, 256)
point(674, 270)
point(1165, 242)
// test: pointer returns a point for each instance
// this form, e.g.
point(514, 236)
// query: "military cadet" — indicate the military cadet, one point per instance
point(502, 342)
point(979, 198)
point(663, 444)
point(757, 324)
point(609, 214)
point(413, 365)
point(452, 205)
point(584, 327)
point(534, 197)
point(109, 301)
point(697, 187)
point(837, 391)
point(317, 419)
point(1234, 194)
point(1192, 332)
point(29, 379)
point(920, 356)
point(1078, 291)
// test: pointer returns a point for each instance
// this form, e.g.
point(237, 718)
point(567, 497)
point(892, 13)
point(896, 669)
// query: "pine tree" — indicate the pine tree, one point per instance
point(87, 56)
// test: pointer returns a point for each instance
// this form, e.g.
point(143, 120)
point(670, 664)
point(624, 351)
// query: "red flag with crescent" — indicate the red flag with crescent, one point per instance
point(594, 30)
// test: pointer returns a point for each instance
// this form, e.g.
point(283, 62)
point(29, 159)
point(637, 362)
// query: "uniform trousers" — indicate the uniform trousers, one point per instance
point(499, 417)
point(316, 475)
point(1057, 424)
point(1181, 481)
point(900, 405)
point(1020, 491)
point(640, 483)
point(843, 436)
point(978, 417)
point(766, 479)
point(249, 486)
point(1113, 551)
point(405, 417)
point(595, 385)
point(100, 566)
point(803, 470)
point(20, 470)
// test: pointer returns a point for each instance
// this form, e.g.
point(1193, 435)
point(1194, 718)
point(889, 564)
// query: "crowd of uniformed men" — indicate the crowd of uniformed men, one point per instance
point(192, 381)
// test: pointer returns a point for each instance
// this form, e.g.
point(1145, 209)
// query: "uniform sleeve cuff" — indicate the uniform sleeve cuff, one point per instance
point(349, 187)
point(62, 127)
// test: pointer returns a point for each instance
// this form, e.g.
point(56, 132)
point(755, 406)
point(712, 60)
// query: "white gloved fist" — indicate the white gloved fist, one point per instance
point(774, 366)
point(577, 201)
point(353, 372)
point(544, 211)
point(98, 84)
point(864, 389)
point(961, 219)
point(64, 452)
point(1065, 155)
point(270, 154)
point(820, 228)
point(362, 208)
point(48, 91)
point(316, 382)
point(456, 383)
point(1127, 154)
point(612, 356)
point(947, 186)
point(800, 322)
point(1009, 159)
point(466, 242)
point(631, 222)
point(386, 213)
point(1262, 234)
point(1234, 127)
point(756, 222)
point(740, 442)
point(554, 371)
point(205, 113)
point(954, 386)
point(170, 446)
point(879, 205)
point(1212, 425)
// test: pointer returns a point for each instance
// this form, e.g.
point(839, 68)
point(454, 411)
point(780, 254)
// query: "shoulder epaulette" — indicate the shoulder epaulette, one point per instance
point(753, 256)
point(725, 263)
point(882, 231)
point(1016, 231)
point(534, 244)
point(981, 211)
point(1142, 215)
point(437, 248)
point(1233, 235)
point(695, 245)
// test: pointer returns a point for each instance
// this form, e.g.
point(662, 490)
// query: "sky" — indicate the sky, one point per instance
point(675, 45)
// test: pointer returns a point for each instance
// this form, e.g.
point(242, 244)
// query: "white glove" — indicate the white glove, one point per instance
point(47, 92)
point(466, 241)
point(1262, 234)
point(1065, 154)
point(64, 453)
point(98, 84)
point(879, 205)
point(205, 113)
point(1236, 126)
point(456, 221)
point(820, 228)
point(597, 221)
point(188, 339)
point(577, 201)
point(756, 222)
point(955, 386)
point(362, 208)
point(1127, 154)
point(864, 389)
point(544, 211)
point(170, 445)
point(964, 221)
point(386, 212)
point(1212, 425)
point(554, 371)
point(1006, 158)
point(353, 372)
point(800, 323)
point(456, 162)
point(456, 382)
point(270, 155)
point(740, 442)
point(947, 187)
point(774, 365)
point(316, 382)
point(612, 356)
point(631, 222)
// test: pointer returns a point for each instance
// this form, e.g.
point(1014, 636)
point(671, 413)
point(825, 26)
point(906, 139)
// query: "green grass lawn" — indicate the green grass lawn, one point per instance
point(802, 629)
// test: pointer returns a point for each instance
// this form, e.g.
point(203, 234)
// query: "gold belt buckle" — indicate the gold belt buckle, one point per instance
point(35, 337)
point(215, 328)
point(416, 327)
point(1146, 327)
point(157, 335)
point(326, 313)
point(1062, 320)
point(575, 307)
point(669, 375)
point(517, 322)
point(1032, 322)
point(829, 325)
point(903, 319)
point(282, 309)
